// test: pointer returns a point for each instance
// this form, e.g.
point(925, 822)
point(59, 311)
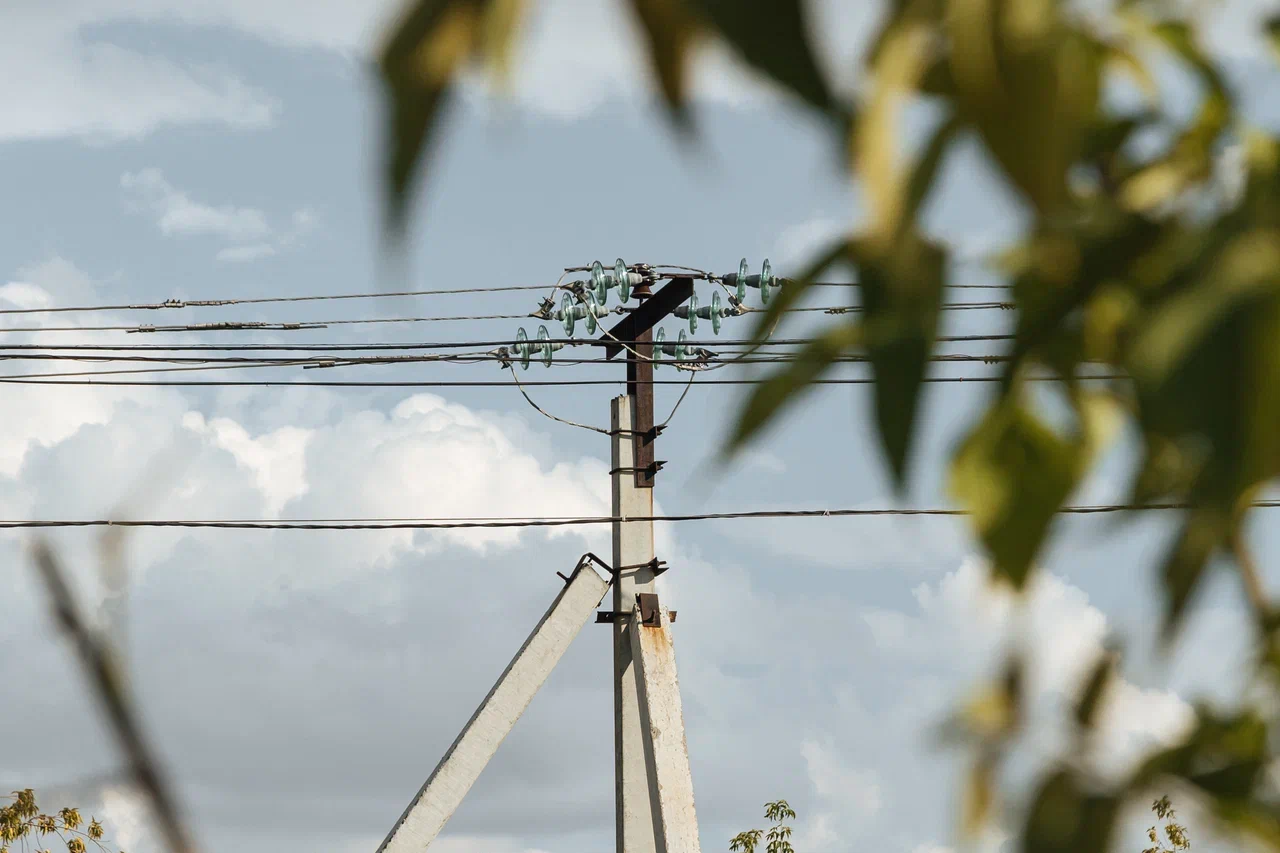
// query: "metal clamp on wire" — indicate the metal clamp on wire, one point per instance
point(651, 433)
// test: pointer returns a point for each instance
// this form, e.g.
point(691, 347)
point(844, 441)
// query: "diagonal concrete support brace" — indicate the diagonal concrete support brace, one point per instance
point(440, 797)
point(670, 781)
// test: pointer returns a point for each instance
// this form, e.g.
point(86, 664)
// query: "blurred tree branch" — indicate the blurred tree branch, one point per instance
point(100, 668)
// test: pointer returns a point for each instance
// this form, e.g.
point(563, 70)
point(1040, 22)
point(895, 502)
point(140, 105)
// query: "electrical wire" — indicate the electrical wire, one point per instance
point(544, 412)
point(6, 349)
point(170, 304)
point(313, 325)
point(683, 394)
point(444, 383)
point(236, 363)
point(459, 523)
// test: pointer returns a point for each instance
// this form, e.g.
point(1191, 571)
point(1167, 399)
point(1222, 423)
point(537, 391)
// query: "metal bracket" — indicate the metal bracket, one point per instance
point(655, 565)
point(648, 469)
point(609, 617)
point(650, 610)
point(545, 309)
point(592, 558)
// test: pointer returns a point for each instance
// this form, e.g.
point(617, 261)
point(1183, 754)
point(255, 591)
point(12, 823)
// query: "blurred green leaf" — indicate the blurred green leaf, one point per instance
point(1209, 420)
point(1238, 267)
point(923, 176)
point(1225, 756)
point(1095, 688)
point(902, 273)
point(1272, 28)
point(1191, 158)
point(979, 794)
point(418, 64)
point(901, 295)
point(671, 29)
point(1203, 531)
point(1123, 59)
point(901, 61)
point(896, 13)
point(497, 32)
point(1030, 83)
point(1105, 146)
point(1012, 473)
point(993, 714)
point(774, 37)
point(1058, 272)
point(781, 389)
point(1261, 820)
point(938, 81)
point(1065, 818)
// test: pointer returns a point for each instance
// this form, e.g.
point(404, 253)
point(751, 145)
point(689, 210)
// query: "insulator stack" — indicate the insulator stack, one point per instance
point(714, 312)
point(524, 348)
point(570, 312)
point(621, 280)
point(680, 350)
point(740, 281)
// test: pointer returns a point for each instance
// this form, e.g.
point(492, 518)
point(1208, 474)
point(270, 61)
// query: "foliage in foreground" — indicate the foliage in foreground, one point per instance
point(777, 838)
point(1175, 834)
point(1139, 262)
point(21, 821)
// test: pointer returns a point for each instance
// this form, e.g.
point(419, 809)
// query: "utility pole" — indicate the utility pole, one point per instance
point(633, 574)
point(646, 819)
point(653, 786)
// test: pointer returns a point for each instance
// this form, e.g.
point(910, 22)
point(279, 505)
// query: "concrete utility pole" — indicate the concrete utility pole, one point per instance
point(653, 786)
point(633, 574)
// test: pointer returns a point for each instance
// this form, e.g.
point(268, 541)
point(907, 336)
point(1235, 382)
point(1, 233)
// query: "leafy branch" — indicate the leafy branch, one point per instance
point(777, 838)
point(22, 820)
point(1175, 834)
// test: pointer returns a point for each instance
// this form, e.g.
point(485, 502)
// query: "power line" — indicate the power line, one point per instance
point(421, 345)
point(479, 383)
point(313, 325)
point(463, 523)
point(176, 304)
point(172, 304)
point(220, 362)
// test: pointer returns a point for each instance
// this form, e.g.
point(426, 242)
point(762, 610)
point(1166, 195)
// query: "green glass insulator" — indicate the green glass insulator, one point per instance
point(544, 343)
point(568, 314)
point(623, 280)
point(599, 282)
point(522, 348)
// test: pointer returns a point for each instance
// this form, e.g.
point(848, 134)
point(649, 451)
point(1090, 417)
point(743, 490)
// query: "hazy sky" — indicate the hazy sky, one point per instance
point(301, 685)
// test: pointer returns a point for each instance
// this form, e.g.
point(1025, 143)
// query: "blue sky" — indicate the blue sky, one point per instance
point(302, 685)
